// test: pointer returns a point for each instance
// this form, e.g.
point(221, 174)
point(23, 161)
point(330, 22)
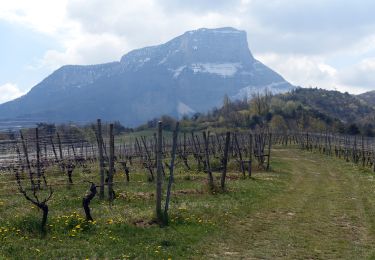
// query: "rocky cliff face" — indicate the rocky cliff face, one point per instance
point(191, 73)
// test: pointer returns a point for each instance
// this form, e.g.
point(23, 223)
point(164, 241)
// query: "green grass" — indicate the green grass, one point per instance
point(308, 206)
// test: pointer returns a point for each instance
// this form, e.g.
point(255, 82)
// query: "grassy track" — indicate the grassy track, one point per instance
point(308, 207)
point(327, 211)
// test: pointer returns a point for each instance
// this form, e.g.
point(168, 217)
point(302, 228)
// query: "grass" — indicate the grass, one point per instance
point(308, 206)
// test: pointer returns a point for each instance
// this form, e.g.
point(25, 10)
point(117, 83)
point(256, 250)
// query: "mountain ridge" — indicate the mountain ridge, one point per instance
point(191, 72)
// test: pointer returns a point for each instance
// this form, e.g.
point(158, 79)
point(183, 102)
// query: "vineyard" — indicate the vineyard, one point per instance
point(158, 195)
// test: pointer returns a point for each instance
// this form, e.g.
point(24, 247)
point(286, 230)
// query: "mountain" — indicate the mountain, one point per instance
point(190, 73)
point(368, 97)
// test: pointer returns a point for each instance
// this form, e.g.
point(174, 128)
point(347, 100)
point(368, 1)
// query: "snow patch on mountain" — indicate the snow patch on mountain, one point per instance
point(177, 71)
point(184, 109)
point(163, 60)
point(227, 31)
point(274, 87)
point(221, 69)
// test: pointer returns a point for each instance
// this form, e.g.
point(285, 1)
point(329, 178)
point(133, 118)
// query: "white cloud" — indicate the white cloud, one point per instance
point(302, 70)
point(314, 71)
point(360, 75)
point(9, 91)
point(40, 15)
point(87, 49)
point(121, 27)
point(301, 40)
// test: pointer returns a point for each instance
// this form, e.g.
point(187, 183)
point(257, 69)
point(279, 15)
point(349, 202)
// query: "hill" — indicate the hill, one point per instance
point(300, 109)
point(343, 106)
point(369, 97)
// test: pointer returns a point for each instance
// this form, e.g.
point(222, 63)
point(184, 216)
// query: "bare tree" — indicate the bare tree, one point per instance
point(260, 103)
point(36, 190)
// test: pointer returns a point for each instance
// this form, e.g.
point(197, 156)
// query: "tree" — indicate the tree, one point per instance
point(353, 129)
point(260, 103)
point(226, 105)
point(168, 122)
point(278, 123)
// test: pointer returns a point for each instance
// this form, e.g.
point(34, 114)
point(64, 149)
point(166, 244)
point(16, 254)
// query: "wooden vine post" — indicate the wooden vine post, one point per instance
point(111, 163)
point(238, 151)
point(208, 168)
point(171, 175)
point(38, 171)
point(101, 159)
point(159, 173)
point(225, 160)
point(250, 153)
point(269, 151)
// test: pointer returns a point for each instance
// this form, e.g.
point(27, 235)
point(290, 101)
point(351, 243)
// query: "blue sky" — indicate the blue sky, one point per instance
point(312, 43)
point(20, 52)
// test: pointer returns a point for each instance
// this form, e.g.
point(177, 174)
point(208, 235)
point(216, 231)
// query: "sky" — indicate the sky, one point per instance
point(312, 43)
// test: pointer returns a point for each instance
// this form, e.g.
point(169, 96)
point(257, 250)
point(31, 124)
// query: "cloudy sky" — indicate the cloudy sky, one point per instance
point(312, 43)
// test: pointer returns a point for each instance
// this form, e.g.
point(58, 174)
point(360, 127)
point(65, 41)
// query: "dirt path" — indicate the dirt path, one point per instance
point(327, 211)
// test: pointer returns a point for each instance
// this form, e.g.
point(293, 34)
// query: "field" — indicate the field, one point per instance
point(307, 206)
